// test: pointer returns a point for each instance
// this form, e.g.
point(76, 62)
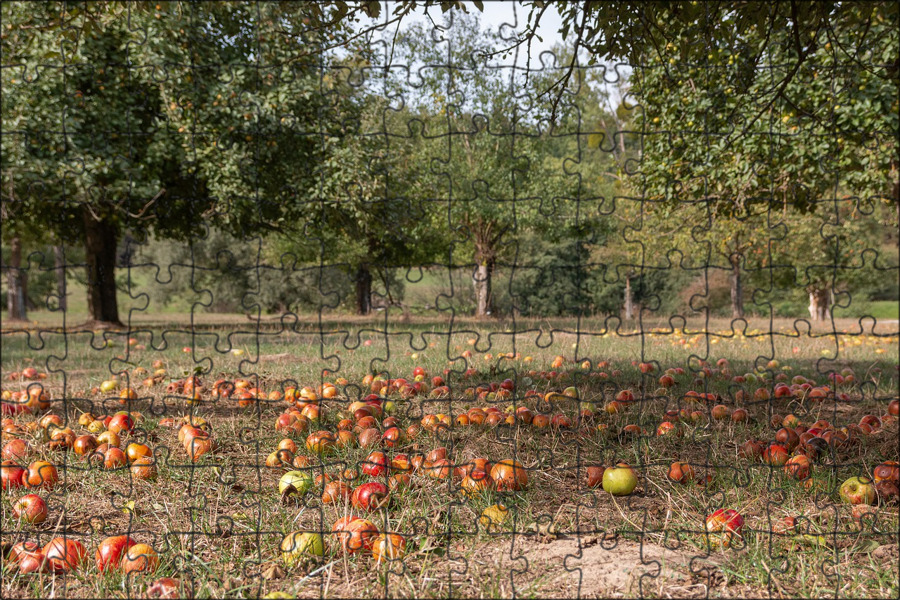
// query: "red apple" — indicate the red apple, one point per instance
point(121, 423)
point(719, 412)
point(894, 408)
point(12, 475)
point(681, 472)
point(140, 558)
point(355, 534)
point(33, 562)
point(775, 455)
point(16, 449)
point(41, 474)
point(111, 551)
point(388, 546)
point(167, 588)
point(739, 415)
point(509, 475)
point(65, 553)
point(30, 508)
point(726, 522)
point(376, 464)
point(20, 548)
point(369, 496)
point(798, 467)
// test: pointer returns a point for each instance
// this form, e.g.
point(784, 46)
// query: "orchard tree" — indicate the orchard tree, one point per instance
point(130, 117)
point(714, 160)
point(361, 218)
point(835, 256)
point(489, 170)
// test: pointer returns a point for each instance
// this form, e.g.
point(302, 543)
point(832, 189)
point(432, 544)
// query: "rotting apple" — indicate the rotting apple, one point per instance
point(681, 472)
point(388, 546)
point(593, 476)
point(370, 496)
point(298, 544)
point(728, 523)
point(887, 471)
point(509, 475)
point(493, 517)
point(144, 468)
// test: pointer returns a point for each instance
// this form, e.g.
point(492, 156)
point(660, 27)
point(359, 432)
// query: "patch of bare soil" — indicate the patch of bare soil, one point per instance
point(604, 568)
point(596, 567)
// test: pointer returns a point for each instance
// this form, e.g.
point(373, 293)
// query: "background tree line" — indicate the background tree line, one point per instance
point(277, 158)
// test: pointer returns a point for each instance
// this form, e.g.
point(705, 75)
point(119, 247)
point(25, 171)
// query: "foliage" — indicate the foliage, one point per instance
point(217, 272)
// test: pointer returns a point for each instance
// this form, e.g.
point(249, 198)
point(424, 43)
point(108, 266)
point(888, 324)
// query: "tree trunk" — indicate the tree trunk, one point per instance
point(363, 290)
point(629, 300)
point(100, 242)
point(819, 304)
point(481, 279)
point(59, 255)
point(15, 282)
point(737, 290)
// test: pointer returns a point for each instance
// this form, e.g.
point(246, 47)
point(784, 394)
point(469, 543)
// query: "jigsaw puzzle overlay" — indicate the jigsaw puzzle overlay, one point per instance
point(407, 309)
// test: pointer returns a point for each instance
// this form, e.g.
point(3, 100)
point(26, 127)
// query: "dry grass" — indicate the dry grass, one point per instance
point(217, 524)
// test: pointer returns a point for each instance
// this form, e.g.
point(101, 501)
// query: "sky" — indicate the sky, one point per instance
point(502, 13)
point(499, 14)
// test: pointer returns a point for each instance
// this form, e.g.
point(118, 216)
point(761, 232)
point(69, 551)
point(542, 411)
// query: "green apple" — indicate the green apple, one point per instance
point(619, 480)
point(296, 544)
point(857, 490)
point(389, 407)
point(299, 480)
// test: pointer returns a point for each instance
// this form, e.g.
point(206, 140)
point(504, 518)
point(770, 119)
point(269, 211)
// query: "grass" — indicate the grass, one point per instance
point(217, 524)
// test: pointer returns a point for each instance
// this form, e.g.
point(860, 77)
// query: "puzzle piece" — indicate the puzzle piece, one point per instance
point(421, 312)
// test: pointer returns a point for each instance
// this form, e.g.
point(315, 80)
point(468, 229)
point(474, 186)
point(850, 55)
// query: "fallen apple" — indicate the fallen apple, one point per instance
point(297, 544)
point(30, 508)
point(857, 490)
point(295, 482)
point(493, 517)
point(728, 524)
point(111, 550)
point(140, 558)
point(619, 480)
